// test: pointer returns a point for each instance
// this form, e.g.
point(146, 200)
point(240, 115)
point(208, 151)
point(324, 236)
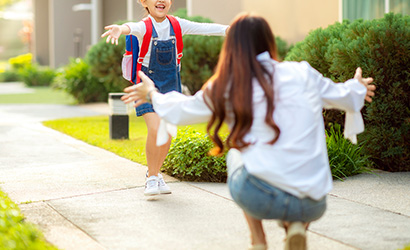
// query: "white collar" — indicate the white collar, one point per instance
point(157, 23)
point(264, 56)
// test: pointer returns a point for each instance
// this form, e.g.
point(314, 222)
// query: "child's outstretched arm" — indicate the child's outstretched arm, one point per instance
point(114, 32)
point(208, 29)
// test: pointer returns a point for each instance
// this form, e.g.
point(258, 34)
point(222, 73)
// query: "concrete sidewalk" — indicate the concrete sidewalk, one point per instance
point(84, 197)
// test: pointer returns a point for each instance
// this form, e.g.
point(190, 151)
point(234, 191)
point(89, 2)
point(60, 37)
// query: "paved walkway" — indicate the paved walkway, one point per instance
point(84, 197)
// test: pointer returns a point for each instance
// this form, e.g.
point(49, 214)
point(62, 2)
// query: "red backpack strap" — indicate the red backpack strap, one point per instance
point(145, 45)
point(178, 36)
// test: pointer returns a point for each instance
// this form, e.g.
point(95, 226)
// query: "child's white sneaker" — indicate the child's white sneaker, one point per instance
point(151, 186)
point(163, 187)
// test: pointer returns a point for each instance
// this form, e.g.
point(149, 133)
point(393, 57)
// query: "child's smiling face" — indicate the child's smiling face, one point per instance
point(158, 9)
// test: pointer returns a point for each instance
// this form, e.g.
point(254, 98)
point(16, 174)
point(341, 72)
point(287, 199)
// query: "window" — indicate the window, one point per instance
point(371, 9)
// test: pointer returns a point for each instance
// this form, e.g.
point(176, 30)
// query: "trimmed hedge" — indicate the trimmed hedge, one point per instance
point(99, 73)
point(201, 54)
point(9, 76)
point(21, 61)
point(382, 49)
point(77, 80)
point(35, 75)
point(188, 157)
point(14, 67)
point(21, 68)
point(283, 48)
point(104, 60)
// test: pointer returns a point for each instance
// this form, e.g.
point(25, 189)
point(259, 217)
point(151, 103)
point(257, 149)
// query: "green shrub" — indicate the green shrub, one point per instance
point(345, 159)
point(10, 76)
point(200, 57)
point(35, 75)
point(99, 73)
point(104, 60)
point(282, 47)
point(12, 71)
point(188, 158)
point(77, 80)
point(381, 48)
point(314, 49)
point(21, 61)
point(15, 233)
point(201, 54)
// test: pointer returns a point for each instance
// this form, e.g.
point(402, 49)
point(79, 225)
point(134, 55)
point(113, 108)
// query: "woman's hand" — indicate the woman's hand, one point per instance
point(138, 93)
point(114, 32)
point(366, 82)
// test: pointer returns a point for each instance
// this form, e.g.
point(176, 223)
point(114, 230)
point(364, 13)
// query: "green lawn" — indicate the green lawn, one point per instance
point(41, 95)
point(95, 131)
point(345, 159)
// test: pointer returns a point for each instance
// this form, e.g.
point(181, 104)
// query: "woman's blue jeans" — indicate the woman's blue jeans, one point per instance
point(264, 201)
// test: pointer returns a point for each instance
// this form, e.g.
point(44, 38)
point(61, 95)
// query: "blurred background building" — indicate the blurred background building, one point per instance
point(16, 28)
point(55, 30)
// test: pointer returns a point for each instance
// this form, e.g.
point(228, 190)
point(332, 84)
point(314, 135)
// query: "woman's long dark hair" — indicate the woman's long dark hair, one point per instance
point(247, 37)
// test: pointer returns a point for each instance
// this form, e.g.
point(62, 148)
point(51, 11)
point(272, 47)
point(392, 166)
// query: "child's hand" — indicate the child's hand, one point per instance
point(141, 92)
point(366, 82)
point(114, 32)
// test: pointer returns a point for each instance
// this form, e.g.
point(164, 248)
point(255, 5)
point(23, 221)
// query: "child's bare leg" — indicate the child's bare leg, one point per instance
point(256, 228)
point(155, 155)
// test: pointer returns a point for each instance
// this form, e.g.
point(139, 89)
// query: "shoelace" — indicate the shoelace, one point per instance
point(161, 182)
point(151, 183)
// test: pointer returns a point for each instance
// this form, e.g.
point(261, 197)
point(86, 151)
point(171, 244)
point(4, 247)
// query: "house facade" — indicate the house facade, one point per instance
point(292, 20)
point(64, 29)
point(67, 28)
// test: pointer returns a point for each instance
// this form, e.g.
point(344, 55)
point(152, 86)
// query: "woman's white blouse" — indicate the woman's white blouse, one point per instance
point(297, 163)
point(138, 29)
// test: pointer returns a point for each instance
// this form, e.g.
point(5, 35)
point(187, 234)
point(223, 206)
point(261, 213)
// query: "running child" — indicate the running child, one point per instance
point(161, 64)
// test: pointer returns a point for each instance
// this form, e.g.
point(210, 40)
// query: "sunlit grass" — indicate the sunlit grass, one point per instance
point(41, 95)
point(95, 131)
point(345, 159)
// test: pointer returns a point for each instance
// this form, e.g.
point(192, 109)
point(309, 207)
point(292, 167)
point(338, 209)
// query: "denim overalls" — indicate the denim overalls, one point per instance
point(163, 68)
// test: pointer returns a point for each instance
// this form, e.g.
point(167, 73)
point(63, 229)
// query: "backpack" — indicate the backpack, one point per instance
point(133, 57)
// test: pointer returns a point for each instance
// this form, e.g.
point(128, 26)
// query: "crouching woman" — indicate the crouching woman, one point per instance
point(277, 165)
